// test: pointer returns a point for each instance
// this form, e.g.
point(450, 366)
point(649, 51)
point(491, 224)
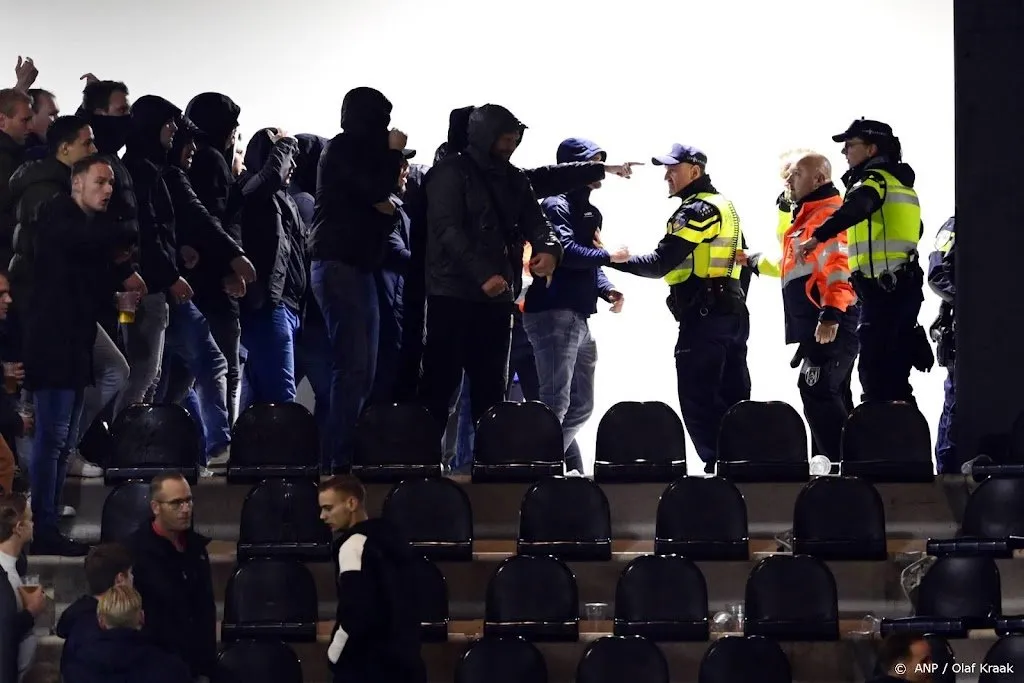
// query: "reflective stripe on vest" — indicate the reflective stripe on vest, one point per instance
point(802, 269)
point(717, 257)
point(889, 237)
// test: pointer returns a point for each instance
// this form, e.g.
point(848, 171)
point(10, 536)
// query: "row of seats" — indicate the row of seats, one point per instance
point(522, 442)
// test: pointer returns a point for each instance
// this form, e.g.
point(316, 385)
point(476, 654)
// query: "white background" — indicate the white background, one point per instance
point(744, 80)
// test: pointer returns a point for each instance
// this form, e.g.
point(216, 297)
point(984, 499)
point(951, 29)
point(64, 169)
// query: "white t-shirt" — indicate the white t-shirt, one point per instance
point(27, 647)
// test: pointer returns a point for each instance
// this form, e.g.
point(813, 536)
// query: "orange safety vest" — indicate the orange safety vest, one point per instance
point(527, 255)
point(826, 271)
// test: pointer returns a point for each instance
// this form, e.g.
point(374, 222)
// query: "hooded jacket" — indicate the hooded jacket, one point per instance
point(376, 637)
point(579, 280)
point(122, 655)
point(121, 218)
point(77, 625)
point(272, 230)
point(480, 210)
point(146, 160)
point(357, 170)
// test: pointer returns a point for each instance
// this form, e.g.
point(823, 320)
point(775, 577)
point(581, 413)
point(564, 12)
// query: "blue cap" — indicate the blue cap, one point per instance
point(682, 154)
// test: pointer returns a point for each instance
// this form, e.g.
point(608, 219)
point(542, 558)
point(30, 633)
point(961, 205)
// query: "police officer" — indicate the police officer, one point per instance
point(697, 258)
point(882, 217)
point(942, 280)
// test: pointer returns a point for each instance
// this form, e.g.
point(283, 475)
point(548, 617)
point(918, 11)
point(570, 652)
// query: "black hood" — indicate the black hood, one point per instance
point(365, 111)
point(149, 114)
point(458, 130)
point(486, 125)
point(187, 133)
point(258, 150)
point(47, 170)
point(216, 116)
point(903, 172)
point(109, 132)
point(307, 162)
point(82, 608)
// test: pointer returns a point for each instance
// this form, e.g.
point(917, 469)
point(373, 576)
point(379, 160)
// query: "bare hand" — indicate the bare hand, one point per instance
point(617, 299)
point(620, 255)
point(34, 600)
point(386, 207)
point(825, 332)
point(135, 283)
point(598, 244)
point(622, 170)
point(234, 286)
point(542, 265)
point(397, 139)
point(495, 286)
point(89, 78)
point(128, 301)
point(180, 291)
point(806, 248)
point(742, 258)
point(15, 370)
point(28, 423)
point(189, 256)
point(25, 72)
point(278, 134)
point(238, 163)
point(243, 268)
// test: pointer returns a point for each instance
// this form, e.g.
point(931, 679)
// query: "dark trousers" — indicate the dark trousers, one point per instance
point(465, 335)
point(946, 459)
point(313, 362)
point(711, 369)
point(825, 391)
point(389, 346)
point(886, 335)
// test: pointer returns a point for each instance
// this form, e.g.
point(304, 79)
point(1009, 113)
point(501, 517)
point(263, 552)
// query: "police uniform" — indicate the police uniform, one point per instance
point(697, 259)
point(882, 219)
point(942, 280)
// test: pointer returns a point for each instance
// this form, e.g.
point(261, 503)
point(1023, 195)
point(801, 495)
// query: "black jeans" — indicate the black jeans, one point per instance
point(825, 391)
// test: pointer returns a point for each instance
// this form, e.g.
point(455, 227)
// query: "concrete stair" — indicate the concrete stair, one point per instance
point(914, 513)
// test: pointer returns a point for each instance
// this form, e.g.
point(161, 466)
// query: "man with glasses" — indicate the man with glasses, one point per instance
point(172, 573)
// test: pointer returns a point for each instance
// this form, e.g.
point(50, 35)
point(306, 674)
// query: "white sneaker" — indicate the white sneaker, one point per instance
point(68, 511)
point(220, 461)
point(574, 473)
point(80, 467)
point(206, 472)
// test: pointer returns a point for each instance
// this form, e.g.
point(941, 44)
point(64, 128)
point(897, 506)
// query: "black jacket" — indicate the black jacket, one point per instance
point(11, 424)
point(273, 233)
point(14, 626)
point(123, 656)
point(146, 160)
point(177, 591)
point(377, 635)
point(11, 157)
point(81, 279)
point(77, 626)
point(302, 188)
point(121, 219)
point(479, 213)
point(357, 170)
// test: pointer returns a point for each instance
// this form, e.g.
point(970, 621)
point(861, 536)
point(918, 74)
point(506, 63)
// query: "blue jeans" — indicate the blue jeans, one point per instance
point(946, 460)
point(58, 415)
point(465, 438)
point(566, 358)
point(188, 338)
point(348, 300)
point(269, 338)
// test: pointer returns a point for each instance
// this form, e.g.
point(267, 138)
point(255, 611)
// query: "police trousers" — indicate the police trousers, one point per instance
point(824, 384)
point(887, 335)
point(711, 371)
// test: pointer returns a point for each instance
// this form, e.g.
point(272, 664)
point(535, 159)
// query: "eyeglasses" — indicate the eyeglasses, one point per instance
point(177, 503)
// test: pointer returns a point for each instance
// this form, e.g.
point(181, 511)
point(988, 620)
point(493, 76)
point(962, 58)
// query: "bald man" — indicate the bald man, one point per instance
point(819, 303)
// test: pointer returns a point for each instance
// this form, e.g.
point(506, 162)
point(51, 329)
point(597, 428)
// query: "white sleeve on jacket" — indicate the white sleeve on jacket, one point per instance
point(350, 559)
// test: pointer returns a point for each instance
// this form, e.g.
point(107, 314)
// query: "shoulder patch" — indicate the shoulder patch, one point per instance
point(350, 555)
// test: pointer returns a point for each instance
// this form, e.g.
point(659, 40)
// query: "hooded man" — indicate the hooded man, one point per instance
point(353, 220)
point(480, 211)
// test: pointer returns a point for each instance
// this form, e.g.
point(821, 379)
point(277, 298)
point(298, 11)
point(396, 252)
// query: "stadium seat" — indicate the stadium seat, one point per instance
point(96, 445)
point(763, 442)
point(566, 517)
point(1005, 660)
point(432, 594)
point(250, 661)
point(640, 442)
point(839, 518)
point(274, 440)
point(993, 523)
point(396, 441)
point(502, 660)
point(703, 519)
point(532, 597)
point(435, 516)
point(617, 659)
point(887, 442)
point(281, 518)
point(152, 439)
point(957, 594)
point(662, 598)
point(270, 600)
point(792, 597)
point(518, 443)
point(744, 658)
point(125, 509)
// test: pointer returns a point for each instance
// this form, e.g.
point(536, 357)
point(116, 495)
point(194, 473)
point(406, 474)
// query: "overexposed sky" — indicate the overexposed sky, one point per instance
point(744, 80)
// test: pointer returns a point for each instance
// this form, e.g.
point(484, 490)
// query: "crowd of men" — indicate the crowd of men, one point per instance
point(190, 270)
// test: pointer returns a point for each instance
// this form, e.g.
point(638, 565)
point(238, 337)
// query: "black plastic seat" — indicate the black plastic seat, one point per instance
point(502, 660)
point(778, 454)
point(736, 659)
point(532, 597)
point(662, 598)
point(431, 592)
point(839, 518)
point(792, 597)
point(396, 441)
point(1005, 660)
point(270, 600)
point(616, 659)
point(956, 595)
point(152, 439)
point(703, 519)
point(567, 517)
point(96, 444)
point(435, 516)
point(993, 523)
point(281, 518)
point(274, 440)
point(250, 661)
point(640, 442)
point(125, 509)
point(518, 443)
point(887, 442)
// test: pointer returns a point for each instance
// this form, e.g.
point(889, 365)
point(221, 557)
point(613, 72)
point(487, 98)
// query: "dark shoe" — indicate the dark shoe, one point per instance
point(56, 543)
point(709, 468)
